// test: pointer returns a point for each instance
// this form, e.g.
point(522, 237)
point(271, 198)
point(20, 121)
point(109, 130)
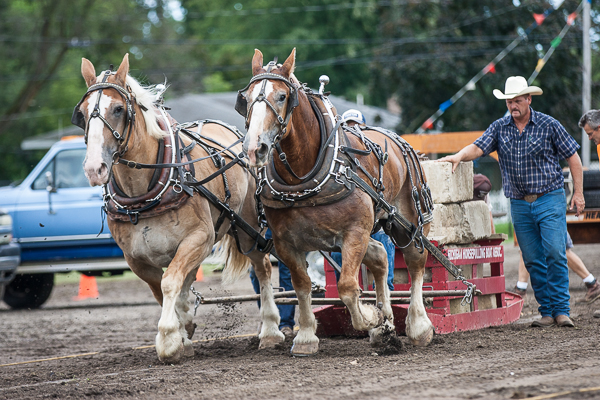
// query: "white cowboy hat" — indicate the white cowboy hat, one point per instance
point(516, 86)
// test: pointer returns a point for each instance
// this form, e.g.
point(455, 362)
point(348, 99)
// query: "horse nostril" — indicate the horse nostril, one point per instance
point(261, 152)
point(102, 169)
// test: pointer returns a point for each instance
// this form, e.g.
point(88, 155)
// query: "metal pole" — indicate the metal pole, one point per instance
point(587, 81)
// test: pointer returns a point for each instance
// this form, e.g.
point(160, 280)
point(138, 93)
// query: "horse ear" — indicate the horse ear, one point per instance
point(88, 72)
point(288, 66)
point(121, 76)
point(257, 62)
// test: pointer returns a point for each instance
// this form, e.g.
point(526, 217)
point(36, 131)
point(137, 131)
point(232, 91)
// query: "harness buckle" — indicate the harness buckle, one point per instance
point(282, 157)
point(177, 188)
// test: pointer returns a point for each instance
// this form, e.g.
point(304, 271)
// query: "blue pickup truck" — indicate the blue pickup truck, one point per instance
point(58, 224)
point(10, 252)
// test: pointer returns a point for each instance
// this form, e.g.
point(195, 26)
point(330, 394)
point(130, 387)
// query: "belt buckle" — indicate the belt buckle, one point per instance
point(530, 198)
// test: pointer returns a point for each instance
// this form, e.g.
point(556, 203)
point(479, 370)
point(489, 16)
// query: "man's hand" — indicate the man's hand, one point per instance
point(578, 202)
point(455, 159)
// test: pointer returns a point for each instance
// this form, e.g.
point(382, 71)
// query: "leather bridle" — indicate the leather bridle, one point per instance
point(79, 119)
point(241, 105)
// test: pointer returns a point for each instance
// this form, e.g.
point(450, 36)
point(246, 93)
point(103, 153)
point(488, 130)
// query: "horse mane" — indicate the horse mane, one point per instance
point(295, 80)
point(145, 96)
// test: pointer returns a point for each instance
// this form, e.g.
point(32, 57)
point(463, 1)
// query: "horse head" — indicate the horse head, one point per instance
point(267, 103)
point(107, 115)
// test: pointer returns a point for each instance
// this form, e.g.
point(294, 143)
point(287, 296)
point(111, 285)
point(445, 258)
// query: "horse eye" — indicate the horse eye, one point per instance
point(118, 110)
point(282, 97)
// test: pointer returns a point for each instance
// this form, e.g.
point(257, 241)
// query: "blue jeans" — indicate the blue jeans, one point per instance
point(391, 253)
point(540, 228)
point(286, 312)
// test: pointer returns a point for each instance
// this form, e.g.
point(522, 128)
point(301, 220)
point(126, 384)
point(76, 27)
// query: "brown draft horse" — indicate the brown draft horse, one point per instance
point(344, 225)
point(178, 239)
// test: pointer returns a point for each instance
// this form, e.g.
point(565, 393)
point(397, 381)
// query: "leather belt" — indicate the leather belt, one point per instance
point(530, 198)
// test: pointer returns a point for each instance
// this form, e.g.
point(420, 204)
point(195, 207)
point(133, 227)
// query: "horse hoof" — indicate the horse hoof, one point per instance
point(190, 328)
point(424, 339)
point(174, 358)
point(188, 350)
point(268, 342)
point(378, 337)
point(304, 349)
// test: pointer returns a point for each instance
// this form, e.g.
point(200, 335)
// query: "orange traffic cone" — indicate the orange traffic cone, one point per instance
point(200, 275)
point(88, 288)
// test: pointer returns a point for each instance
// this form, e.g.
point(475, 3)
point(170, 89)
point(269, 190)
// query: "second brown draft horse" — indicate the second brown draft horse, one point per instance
point(285, 141)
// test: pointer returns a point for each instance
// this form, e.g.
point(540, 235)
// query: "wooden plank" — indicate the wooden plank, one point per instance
point(447, 142)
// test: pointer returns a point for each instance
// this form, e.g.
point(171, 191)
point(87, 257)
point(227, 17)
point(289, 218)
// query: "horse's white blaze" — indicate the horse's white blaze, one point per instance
point(95, 144)
point(259, 113)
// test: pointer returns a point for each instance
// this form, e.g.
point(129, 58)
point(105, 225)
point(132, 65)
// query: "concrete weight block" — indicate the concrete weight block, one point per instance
point(460, 223)
point(447, 187)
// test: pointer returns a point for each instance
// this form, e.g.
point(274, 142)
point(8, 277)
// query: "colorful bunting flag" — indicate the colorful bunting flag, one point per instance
point(491, 67)
point(540, 65)
point(539, 18)
point(427, 124)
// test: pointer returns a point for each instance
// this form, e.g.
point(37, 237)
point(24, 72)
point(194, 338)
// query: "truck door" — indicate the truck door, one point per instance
point(61, 210)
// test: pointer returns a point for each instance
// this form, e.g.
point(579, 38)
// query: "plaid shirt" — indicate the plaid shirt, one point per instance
point(529, 162)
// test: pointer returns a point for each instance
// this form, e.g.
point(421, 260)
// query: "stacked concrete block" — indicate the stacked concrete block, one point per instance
point(456, 219)
point(447, 187)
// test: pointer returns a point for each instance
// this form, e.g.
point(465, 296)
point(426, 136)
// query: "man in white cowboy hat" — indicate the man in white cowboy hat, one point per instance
point(530, 145)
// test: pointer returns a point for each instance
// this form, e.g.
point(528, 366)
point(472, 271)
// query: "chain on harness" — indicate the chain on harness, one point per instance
point(422, 198)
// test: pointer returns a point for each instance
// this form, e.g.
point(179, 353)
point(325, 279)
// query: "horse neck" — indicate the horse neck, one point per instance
point(302, 142)
point(142, 148)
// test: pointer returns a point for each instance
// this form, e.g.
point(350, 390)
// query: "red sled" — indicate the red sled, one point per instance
point(482, 263)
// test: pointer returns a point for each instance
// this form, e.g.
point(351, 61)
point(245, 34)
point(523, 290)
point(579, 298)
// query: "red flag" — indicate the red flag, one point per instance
point(491, 67)
point(539, 18)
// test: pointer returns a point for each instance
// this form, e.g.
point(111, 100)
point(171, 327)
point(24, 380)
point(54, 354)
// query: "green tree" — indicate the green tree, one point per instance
point(330, 38)
point(41, 45)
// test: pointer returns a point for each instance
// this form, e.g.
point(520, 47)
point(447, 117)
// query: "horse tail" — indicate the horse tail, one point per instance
point(236, 264)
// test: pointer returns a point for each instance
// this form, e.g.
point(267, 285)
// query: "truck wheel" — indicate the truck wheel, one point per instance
point(29, 290)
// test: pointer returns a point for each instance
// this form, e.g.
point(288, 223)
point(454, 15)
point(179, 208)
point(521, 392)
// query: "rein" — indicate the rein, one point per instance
point(320, 156)
point(137, 165)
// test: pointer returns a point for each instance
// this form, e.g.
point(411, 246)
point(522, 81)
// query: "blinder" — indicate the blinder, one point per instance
point(241, 105)
point(292, 101)
point(78, 119)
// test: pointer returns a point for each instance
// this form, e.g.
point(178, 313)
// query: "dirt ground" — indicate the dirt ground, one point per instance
point(118, 329)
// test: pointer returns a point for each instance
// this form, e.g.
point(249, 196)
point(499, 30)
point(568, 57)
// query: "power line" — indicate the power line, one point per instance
point(401, 59)
point(538, 20)
point(75, 42)
point(265, 11)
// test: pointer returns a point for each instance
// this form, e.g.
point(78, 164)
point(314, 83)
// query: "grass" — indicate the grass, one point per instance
point(73, 277)
point(506, 228)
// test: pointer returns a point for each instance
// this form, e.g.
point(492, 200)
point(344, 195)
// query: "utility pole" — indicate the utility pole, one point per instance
point(587, 80)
